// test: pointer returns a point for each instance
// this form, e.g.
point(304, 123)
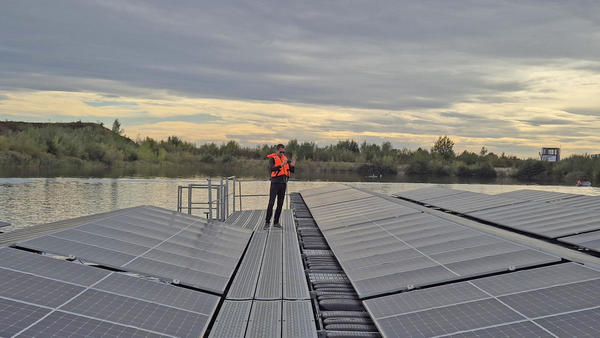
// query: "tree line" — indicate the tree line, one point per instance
point(91, 148)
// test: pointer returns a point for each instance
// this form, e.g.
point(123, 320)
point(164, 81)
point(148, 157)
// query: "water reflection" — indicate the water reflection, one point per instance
point(29, 201)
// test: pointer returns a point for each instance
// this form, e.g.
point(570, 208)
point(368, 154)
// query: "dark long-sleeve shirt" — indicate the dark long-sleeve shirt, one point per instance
point(273, 167)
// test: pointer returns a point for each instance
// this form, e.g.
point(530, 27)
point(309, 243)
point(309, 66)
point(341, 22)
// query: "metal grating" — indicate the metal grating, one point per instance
point(244, 283)
point(270, 279)
point(298, 320)
point(294, 280)
point(232, 319)
point(265, 319)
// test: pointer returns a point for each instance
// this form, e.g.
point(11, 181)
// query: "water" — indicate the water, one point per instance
point(29, 201)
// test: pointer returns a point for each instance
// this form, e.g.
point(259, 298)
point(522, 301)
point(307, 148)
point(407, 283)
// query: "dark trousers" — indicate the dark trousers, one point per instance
point(277, 190)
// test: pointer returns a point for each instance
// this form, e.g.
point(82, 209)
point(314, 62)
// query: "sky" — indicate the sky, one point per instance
point(512, 76)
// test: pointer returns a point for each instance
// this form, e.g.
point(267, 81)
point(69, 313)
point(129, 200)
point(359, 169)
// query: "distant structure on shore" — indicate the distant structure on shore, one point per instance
point(550, 154)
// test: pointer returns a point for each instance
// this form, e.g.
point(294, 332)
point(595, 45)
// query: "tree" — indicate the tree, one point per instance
point(483, 151)
point(444, 147)
point(116, 128)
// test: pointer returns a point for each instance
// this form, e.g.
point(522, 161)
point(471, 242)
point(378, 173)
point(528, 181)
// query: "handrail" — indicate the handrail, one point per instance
point(220, 204)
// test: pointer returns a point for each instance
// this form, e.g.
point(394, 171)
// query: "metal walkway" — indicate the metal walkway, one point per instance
point(269, 295)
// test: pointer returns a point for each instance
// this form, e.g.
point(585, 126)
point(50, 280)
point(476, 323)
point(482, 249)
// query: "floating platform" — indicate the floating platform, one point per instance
point(347, 262)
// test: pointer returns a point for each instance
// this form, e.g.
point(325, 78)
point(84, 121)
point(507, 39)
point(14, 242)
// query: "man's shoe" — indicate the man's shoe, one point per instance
point(277, 225)
point(267, 225)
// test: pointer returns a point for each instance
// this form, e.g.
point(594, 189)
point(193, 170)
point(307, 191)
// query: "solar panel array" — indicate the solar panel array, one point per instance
point(559, 300)
point(549, 219)
point(457, 200)
point(536, 195)
point(385, 247)
point(424, 194)
point(154, 242)
point(42, 296)
point(544, 213)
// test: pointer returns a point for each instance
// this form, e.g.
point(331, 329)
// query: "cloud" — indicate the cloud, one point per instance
point(513, 75)
point(110, 103)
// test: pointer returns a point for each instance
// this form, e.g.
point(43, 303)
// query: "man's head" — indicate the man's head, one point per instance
point(280, 149)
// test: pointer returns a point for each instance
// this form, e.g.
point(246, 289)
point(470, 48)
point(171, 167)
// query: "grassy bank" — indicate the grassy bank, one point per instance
point(91, 150)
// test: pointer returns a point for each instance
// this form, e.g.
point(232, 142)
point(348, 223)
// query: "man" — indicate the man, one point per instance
point(280, 168)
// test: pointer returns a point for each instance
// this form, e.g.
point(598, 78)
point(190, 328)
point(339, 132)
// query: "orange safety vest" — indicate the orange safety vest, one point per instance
point(280, 161)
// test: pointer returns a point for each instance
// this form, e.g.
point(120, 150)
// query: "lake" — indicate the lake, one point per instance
point(29, 201)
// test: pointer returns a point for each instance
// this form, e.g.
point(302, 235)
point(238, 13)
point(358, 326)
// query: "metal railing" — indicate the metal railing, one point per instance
point(217, 197)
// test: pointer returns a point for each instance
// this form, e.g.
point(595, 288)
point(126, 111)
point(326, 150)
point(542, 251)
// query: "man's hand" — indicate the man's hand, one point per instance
point(293, 164)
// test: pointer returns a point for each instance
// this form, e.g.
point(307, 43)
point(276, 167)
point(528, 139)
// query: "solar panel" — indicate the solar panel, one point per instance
point(137, 313)
point(449, 319)
point(470, 201)
point(589, 240)
point(198, 279)
point(321, 190)
point(556, 299)
point(184, 248)
point(60, 324)
point(523, 329)
point(536, 278)
point(413, 249)
point(111, 303)
point(103, 241)
point(122, 235)
point(493, 305)
point(32, 289)
point(535, 195)
point(329, 198)
point(584, 323)
point(154, 292)
point(423, 194)
point(16, 316)
point(65, 247)
point(581, 203)
point(49, 267)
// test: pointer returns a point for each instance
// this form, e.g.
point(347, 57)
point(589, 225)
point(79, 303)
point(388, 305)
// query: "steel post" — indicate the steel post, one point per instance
point(209, 199)
point(233, 193)
point(190, 199)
